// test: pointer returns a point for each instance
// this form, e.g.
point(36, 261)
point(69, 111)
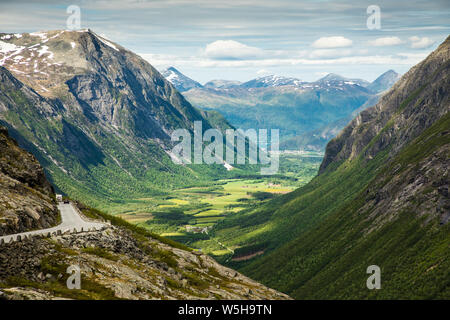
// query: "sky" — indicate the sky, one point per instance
point(245, 39)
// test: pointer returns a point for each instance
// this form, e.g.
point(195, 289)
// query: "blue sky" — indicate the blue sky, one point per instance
point(241, 40)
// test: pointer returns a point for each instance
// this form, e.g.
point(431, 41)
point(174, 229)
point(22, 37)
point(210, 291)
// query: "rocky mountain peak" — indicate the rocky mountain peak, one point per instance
point(384, 81)
point(179, 80)
point(272, 81)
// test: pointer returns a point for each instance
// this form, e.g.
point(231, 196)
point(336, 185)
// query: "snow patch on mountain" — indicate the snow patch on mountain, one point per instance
point(179, 80)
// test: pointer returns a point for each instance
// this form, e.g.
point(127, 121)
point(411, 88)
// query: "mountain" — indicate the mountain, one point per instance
point(26, 198)
point(179, 80)
point(336, 79)
point(271, 81)
point(381, 198)
point(222, 84)
point(96, 116)
point(384, 81)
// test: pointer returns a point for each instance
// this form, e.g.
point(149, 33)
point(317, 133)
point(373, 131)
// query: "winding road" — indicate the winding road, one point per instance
point(70, 221)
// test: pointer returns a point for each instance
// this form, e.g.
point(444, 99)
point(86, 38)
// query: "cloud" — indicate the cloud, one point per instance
point(231, 50)
point(332, 42)
point(202, 62)
point(386, 41)
point(420, 43)
point(329, 53)
point(263, 72)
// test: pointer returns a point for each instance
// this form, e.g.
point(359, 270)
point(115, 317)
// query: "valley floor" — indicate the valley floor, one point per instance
point(187, 215)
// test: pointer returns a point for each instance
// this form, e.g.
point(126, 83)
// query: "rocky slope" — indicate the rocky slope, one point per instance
point(120, 262)
point(381, 198)
point(97, 116)
point(26, 197)
point(413, 104)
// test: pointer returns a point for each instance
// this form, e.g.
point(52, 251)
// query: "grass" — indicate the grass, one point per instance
point(100, 252)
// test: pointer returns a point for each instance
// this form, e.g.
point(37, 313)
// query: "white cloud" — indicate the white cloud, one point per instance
point(386, 41)
point(263, 72)
point(231, 50)
point(332, 42)
point(420, 43)
point(329, 53)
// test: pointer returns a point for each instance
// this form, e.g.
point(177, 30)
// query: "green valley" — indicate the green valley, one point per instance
point(188, 214)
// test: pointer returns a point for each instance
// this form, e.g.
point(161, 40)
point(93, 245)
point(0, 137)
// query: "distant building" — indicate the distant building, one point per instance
point(198, 229)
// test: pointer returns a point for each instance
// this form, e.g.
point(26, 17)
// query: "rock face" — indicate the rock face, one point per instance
point(26, 197)
point(117, 263)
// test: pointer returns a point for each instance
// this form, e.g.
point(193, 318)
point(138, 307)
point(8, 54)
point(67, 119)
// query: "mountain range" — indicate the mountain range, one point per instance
point(308, 114)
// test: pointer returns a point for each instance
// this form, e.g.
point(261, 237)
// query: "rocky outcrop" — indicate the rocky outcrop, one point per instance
point(26, 197)
point(117, 264)
point(413, 104)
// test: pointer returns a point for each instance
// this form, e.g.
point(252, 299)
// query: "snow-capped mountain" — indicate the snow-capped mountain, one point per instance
point(301, 109)
point(272, 81)
point(335, 79)
point(179, 80)
point(93, 111)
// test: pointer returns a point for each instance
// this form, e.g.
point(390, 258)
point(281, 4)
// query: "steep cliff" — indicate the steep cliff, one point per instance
point(26, 197)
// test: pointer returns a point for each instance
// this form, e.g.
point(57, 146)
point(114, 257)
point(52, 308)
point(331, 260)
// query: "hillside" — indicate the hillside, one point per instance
point(26, 198)
point(381, 198)
point(97, 116)
point(120, 262)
